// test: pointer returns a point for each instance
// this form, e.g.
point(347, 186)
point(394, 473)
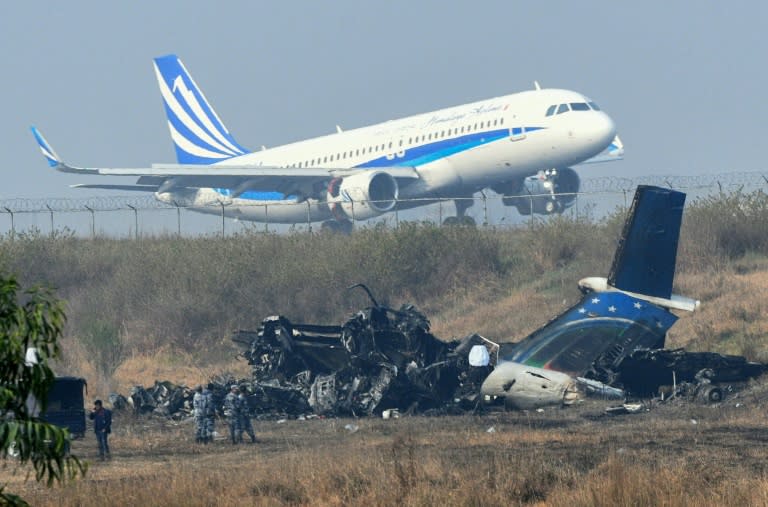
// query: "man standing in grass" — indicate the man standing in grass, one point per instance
point(199, 411)
point(232, 414)
point(210, 413)
point(102, 426)
point(244, 414)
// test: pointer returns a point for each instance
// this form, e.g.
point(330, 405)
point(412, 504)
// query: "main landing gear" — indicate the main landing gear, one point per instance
point(462, 205)
point(337, 226)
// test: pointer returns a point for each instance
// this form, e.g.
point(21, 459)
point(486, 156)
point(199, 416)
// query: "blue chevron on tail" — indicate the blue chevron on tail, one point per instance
point(197, 132)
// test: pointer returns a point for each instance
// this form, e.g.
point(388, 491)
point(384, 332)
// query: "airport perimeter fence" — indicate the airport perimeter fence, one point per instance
point(143, 216)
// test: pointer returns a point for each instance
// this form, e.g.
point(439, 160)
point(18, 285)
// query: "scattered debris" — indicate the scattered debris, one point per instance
point(677, 374)
point(625, 408)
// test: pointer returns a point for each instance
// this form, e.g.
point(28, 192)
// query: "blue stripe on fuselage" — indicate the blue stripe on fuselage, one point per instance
point(415, 156)
point(426, 153)
point(258, 195)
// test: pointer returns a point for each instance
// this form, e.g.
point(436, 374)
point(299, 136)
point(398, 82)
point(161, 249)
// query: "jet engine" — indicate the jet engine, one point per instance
point(362, 196)
point(526, 387)
point(545, 193)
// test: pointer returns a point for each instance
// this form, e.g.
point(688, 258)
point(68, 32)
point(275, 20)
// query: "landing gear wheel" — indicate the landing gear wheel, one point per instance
point(464, 221)
point(451, 221)
point(337, 226)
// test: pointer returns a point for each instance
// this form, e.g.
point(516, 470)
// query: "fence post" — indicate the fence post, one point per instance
point(135, 221)
point(397, 217)
point(440, 213)
point(178, 218)
point(13, 227)
point(485, 209)
point(51, 211)
point(266, 219)
point(93, 222)
point(309, 216)
point(531, 215)
point(221, 203)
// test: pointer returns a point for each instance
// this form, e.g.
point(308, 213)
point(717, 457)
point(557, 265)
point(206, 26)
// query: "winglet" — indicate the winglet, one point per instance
point(646, 255)
point(48, 151)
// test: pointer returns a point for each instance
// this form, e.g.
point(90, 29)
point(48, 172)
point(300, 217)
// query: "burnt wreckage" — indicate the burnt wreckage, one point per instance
point(609, 344)
point(380, 359)
point(614, 336)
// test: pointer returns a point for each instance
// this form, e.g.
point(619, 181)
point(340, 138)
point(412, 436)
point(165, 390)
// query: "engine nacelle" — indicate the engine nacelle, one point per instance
point(526, 387)
point(362, 196)
point(544, 194)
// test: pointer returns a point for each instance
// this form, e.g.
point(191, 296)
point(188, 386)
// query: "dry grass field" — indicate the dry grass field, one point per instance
point(675, 454)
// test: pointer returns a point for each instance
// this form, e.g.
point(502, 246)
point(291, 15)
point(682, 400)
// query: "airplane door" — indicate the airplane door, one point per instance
point(516, 133)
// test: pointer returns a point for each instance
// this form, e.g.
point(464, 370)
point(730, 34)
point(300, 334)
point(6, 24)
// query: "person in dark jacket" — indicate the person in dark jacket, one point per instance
point(102, 426)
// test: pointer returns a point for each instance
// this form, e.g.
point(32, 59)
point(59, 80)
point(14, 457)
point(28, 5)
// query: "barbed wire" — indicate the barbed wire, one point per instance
point(611, 184)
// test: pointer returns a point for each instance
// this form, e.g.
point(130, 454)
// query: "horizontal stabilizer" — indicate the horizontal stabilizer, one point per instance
point(647, 252)
point(614, 151)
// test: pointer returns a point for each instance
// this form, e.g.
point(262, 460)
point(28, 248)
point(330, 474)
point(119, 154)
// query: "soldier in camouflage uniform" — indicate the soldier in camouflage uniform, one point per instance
point(244, 414)
point(198, 407)
point(232, 413)
point(210, 414)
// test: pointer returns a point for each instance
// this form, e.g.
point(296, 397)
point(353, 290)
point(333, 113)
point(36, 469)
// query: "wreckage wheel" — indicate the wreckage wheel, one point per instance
point(713, 395)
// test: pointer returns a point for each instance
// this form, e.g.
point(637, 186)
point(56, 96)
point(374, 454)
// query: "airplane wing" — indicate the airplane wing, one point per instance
point(615, 151)
point(163, 177)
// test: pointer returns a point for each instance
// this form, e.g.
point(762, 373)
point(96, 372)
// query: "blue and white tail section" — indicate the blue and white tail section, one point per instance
point(48, 152)
point(197, 132)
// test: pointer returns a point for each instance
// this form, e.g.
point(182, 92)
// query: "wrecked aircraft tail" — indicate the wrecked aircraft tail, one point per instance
point(645, 258)
point(627, 311)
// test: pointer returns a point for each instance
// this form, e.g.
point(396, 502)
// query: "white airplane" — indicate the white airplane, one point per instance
point(523, 146)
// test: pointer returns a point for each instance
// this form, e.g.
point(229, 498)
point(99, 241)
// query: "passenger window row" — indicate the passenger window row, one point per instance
point(411, 140)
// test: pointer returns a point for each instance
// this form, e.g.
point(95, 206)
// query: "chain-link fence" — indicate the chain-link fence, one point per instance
point(143, 216)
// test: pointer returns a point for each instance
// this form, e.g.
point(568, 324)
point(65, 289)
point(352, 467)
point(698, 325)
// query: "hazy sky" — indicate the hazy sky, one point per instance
point(684, 81)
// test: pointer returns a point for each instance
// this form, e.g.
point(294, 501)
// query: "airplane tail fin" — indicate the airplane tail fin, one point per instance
point(197, 132)
point(647, 252)
point(48, 152)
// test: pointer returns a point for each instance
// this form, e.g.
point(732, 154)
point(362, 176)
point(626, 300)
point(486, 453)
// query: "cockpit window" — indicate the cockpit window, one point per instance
point(579, 106)
point(594, 106)
point(562, 108)
point(551, 109)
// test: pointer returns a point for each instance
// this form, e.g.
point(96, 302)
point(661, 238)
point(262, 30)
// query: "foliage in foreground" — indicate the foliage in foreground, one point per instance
point(32, 319)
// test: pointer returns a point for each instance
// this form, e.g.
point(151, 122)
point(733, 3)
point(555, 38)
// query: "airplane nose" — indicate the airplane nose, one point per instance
point(602, 130)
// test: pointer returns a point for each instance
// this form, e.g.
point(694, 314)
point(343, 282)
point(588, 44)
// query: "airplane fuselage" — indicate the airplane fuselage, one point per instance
point(455, 151)
point(522, 146)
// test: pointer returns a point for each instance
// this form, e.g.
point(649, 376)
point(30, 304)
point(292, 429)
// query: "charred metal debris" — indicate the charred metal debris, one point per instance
point(386, 362)
point(380, 359)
